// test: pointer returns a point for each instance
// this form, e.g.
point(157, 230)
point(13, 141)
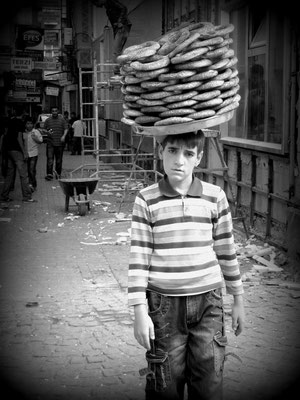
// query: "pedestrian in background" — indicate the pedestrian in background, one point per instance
point(182, 251)
point(79, 129)
point(57, 128)
point(32, 139)
point(14, 149)
point(71, 131)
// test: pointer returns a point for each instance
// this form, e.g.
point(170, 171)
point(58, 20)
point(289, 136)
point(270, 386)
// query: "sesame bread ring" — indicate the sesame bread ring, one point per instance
point(146, 119)
point(228, 100)
point(131, 97)
point(176, 112)
point(232, 62)
point(180, 97)
point(230, 92)
point(182, 104)
point(151, 74)
point(226, 42)
point(203, 75)
point(229, 54)
point(201, 26)
point(230, 83)
point(213, 84)
point(126, 69)
point(172, 40)
point(217, 52)
point(224, 75)
point(132, 113)
point(230, 107)
point(173, 120)
point(190, 55)
point(152, 85)
point(139, 66)
point(176, 75)
point(131, 105)
point(134, 89)
point(209, 103)
point(202, 114)
point(154, 95)
point(234, 72)
point(207, 95)
point(224, 62)
point(150, 103)
point(223, 30)
point(127, 121)
point(138, 51)
point(208, 42)
point(184, 44)
point(194, 64)
point(182, 86)
point(153, 109)
point(131, 79)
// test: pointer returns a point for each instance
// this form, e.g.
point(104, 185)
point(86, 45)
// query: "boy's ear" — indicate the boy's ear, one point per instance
point(199, 158)
point(160, 151)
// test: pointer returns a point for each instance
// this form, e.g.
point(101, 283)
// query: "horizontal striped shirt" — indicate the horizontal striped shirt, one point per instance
point(58, 125)
point(181, 245)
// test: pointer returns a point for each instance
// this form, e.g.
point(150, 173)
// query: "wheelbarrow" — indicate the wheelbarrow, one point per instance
point(80, 190)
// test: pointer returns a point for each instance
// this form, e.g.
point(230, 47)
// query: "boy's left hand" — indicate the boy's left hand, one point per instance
point(238, 315)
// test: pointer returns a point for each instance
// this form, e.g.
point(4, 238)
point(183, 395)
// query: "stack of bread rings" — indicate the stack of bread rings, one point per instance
point(187, 75)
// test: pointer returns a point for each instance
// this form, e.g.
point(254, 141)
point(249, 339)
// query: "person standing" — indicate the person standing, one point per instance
point(32, 139)
point(118, 17)
point(182, 253)
point(79, 129)
point(57, 128)
point(14, 149)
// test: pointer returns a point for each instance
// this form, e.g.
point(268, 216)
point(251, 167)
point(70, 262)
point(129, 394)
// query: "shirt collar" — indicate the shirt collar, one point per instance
point(166, 189)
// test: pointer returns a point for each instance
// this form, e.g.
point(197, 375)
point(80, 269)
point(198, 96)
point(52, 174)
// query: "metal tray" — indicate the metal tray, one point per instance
point(176, 129)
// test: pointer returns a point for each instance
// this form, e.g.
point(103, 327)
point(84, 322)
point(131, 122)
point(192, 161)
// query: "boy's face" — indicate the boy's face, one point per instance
point(29, 125)
point(179, 161)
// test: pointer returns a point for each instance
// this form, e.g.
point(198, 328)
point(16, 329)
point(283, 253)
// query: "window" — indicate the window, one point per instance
point(259, 41)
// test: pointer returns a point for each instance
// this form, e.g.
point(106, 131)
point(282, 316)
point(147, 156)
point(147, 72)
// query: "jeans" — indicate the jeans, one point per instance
point(16, 161)
point(189, 347)
point(31, 167)
point(76, 145)
point(57, 153)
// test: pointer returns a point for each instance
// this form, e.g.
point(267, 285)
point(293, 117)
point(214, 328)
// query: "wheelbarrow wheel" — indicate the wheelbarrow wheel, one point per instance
point(82, 209)
point(82, 205)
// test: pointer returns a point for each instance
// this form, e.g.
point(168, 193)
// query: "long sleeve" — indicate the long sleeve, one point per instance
point(225, 248)
point(140, 252)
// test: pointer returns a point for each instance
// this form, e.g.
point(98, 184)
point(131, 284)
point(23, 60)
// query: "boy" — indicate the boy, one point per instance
point(181, 247)
point(32, 139)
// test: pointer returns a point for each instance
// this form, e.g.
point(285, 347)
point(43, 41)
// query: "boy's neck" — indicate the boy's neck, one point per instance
point(183, 187)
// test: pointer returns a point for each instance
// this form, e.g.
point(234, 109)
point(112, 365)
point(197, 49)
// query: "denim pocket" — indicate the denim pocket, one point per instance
point(157, 303)
point(219, 345)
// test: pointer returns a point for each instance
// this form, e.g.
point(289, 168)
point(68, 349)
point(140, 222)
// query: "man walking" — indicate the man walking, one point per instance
point(57, 128)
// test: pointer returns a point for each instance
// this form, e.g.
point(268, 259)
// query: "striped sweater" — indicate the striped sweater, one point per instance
point(181, 245)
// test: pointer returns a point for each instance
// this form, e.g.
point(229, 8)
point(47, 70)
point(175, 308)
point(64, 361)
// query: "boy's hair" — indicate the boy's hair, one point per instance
point(189, 139)
point(28, 119)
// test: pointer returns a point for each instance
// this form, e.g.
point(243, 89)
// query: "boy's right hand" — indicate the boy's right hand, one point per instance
point(143, 326)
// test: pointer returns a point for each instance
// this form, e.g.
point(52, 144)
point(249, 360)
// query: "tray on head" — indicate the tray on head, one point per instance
point(176, 129)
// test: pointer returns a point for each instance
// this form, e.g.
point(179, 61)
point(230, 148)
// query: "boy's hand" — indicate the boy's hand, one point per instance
point(143, 326)
point(238, 315)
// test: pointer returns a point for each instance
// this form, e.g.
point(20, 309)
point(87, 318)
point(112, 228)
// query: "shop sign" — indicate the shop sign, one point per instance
point(46, 65)
point(21, 64)
point(26, 83)
point(51, 38)
point(29, 38)
point(52, 91)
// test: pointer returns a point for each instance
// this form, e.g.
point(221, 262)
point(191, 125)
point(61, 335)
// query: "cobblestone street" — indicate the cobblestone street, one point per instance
point(66, 331)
